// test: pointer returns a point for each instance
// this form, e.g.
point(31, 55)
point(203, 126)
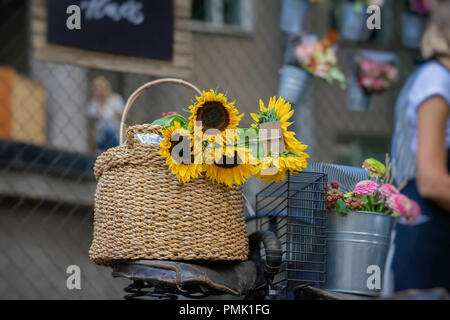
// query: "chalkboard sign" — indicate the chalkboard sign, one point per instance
point(139, 28)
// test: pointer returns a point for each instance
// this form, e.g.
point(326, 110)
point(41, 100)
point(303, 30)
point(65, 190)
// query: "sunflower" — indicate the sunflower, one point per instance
point(283, 163)
point(177, 164)
point(215, 112)
point(234, 168)
point(280, 110)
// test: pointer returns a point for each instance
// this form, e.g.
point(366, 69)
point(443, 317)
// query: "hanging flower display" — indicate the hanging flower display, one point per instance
point(414, 22)
point(320, 59)
point(351, 17)
point(419, 7)
point(372, 72)
point(376, 77)
point(181, 165)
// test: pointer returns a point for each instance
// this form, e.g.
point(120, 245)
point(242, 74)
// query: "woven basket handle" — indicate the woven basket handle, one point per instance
point(142, 88)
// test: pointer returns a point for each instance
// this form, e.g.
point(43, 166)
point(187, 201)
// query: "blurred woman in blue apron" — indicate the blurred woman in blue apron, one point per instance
point(420, 153)
point(104, 111)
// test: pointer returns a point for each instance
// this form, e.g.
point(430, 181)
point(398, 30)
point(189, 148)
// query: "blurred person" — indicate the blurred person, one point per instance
point(105, 110)
point(421, 160)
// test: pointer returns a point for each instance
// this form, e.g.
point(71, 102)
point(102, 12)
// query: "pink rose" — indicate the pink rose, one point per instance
point(366, 188)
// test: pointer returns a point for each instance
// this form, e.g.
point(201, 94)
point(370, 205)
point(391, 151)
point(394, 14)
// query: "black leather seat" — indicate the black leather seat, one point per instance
point(201, 278)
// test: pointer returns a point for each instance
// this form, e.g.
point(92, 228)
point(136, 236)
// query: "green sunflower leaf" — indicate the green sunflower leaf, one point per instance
point(168, 121)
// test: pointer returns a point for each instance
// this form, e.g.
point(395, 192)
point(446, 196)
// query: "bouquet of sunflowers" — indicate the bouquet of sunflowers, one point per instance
point(209, 142)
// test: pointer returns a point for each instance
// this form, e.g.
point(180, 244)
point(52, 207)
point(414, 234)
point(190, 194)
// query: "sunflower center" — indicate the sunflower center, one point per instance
point(213, 115)
point(229, 162)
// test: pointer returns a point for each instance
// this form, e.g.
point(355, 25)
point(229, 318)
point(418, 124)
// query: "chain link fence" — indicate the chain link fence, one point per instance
point(48, 139)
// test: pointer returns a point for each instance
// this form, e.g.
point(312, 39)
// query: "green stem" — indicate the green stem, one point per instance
point(370, 202)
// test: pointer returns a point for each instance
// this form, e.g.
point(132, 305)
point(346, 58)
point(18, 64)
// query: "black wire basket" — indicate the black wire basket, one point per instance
point(296, 211)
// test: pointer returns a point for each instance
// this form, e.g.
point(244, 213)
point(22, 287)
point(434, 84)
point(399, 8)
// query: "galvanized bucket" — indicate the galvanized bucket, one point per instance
point(358, 100)
point(357, 247)
point(294, 83)
point(413, 28)
point(353, 23)
point(293, 13)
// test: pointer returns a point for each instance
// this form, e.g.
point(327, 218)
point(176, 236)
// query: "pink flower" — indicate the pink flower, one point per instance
point(414, 211)
point(366, 82)
point(388, 190)
point(380, 84)
point(371, 68)
point(390, 71)
point(367, 65)
point(321, 70)
point(400, 204)
point(404, 206)
point(304, 51)
point(420, 7)
point(366, 188)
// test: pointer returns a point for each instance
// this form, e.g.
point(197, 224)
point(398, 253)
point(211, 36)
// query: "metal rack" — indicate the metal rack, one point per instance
point(296, 211)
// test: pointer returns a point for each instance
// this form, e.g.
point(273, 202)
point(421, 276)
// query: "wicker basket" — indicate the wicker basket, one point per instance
point(143, 212)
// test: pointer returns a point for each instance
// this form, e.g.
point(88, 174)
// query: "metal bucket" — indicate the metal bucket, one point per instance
point(355, 244)
point(413, 28)
point(294, 83)
point(358, 100)
point(353, 23)
point(293, 13)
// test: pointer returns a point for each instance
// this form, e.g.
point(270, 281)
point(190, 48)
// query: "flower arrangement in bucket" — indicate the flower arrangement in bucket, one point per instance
point(319, 59)
point(414, 22)
point(293, 13)
point(373, 73)
point(352, 19)
point(419, 7)
point(359, 228)
point(372, 195)
point(376, 77)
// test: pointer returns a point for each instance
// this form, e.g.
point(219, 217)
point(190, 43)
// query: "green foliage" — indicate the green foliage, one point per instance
point(268, 116)
point(341, 208)
point(168, 121)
